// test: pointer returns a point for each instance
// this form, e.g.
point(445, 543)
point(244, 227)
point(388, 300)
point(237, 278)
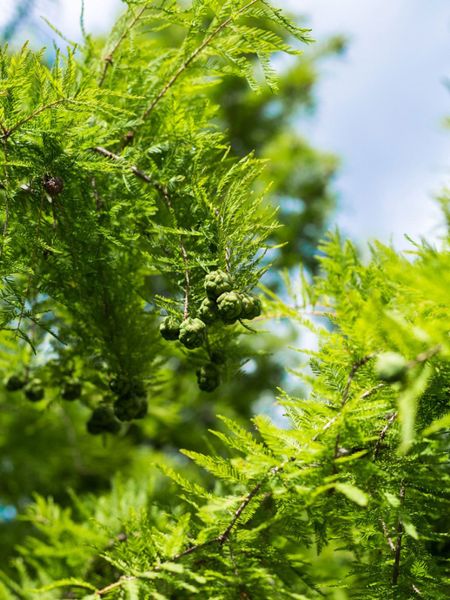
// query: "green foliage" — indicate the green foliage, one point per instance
point(118, 194)
point(94, 246)
point(349, 501)
point(300, 176)
point(121, 199)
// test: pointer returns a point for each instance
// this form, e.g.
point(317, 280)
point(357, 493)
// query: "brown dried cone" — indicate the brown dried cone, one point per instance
point(53, 185)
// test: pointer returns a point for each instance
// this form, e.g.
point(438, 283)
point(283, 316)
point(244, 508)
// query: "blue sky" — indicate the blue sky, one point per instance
point(380, 108)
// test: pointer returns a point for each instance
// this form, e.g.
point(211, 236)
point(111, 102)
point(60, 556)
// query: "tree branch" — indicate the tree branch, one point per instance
point(193, 56)
point(165, 196)
point(139, 174)
point(382, 435)
point(345, 394)
point(6, 192)
point(355, 368)
point(183, 252)
point(7, 133)
point(108, 60)
point(398, 545)
point(426, 355)
point(387, 536)
point(220, 540)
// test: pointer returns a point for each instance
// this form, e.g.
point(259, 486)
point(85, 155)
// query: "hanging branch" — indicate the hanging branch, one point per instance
point(108, 60)
point(8, 132)
point(137, 172)
point(4, 186)
point(331, 422)
point(372, 390)
point(33, 260)
point(191, 58)
point(424, 356)
point(387, 536)
point(168, 202)
point(355, 368)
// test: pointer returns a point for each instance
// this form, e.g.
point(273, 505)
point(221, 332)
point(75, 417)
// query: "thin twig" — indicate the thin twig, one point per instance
point(355, 368)
point(6, 222)
point(183, 252)
point(116, 584)
point(223, 537)
point(220, 539)
point(108, 60)
point(7, 133)
point(372, 390)
point(398, 545)
point(190, 550)
point(165, 195)
point(327, 425)
point(387, 536)
point(228, 259)
point(331, 422)
point(139, 174)
point(345, 394)
point(33, 261)
point(426, 355)
point(98, 199)
point(382, 435)
point(191, 58)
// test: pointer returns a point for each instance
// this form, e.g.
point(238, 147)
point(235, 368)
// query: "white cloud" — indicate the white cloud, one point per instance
point(98, 15)
point(64, 15)
point(381, 110)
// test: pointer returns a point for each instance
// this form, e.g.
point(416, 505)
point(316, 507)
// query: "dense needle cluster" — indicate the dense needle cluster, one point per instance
point(121, 200)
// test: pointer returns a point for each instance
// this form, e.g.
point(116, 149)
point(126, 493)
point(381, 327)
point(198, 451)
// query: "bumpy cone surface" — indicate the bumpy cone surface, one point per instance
point(14, 383)
point(170, 329)
point(217, 283)
point(103, 420)
point(251, 306)
point(34, 390)
point(230, 306)
point(71, 390)
point(192, 333)
point(208, 312)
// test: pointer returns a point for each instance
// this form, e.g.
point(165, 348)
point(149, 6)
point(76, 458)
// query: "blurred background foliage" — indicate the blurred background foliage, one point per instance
point(46, 450)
